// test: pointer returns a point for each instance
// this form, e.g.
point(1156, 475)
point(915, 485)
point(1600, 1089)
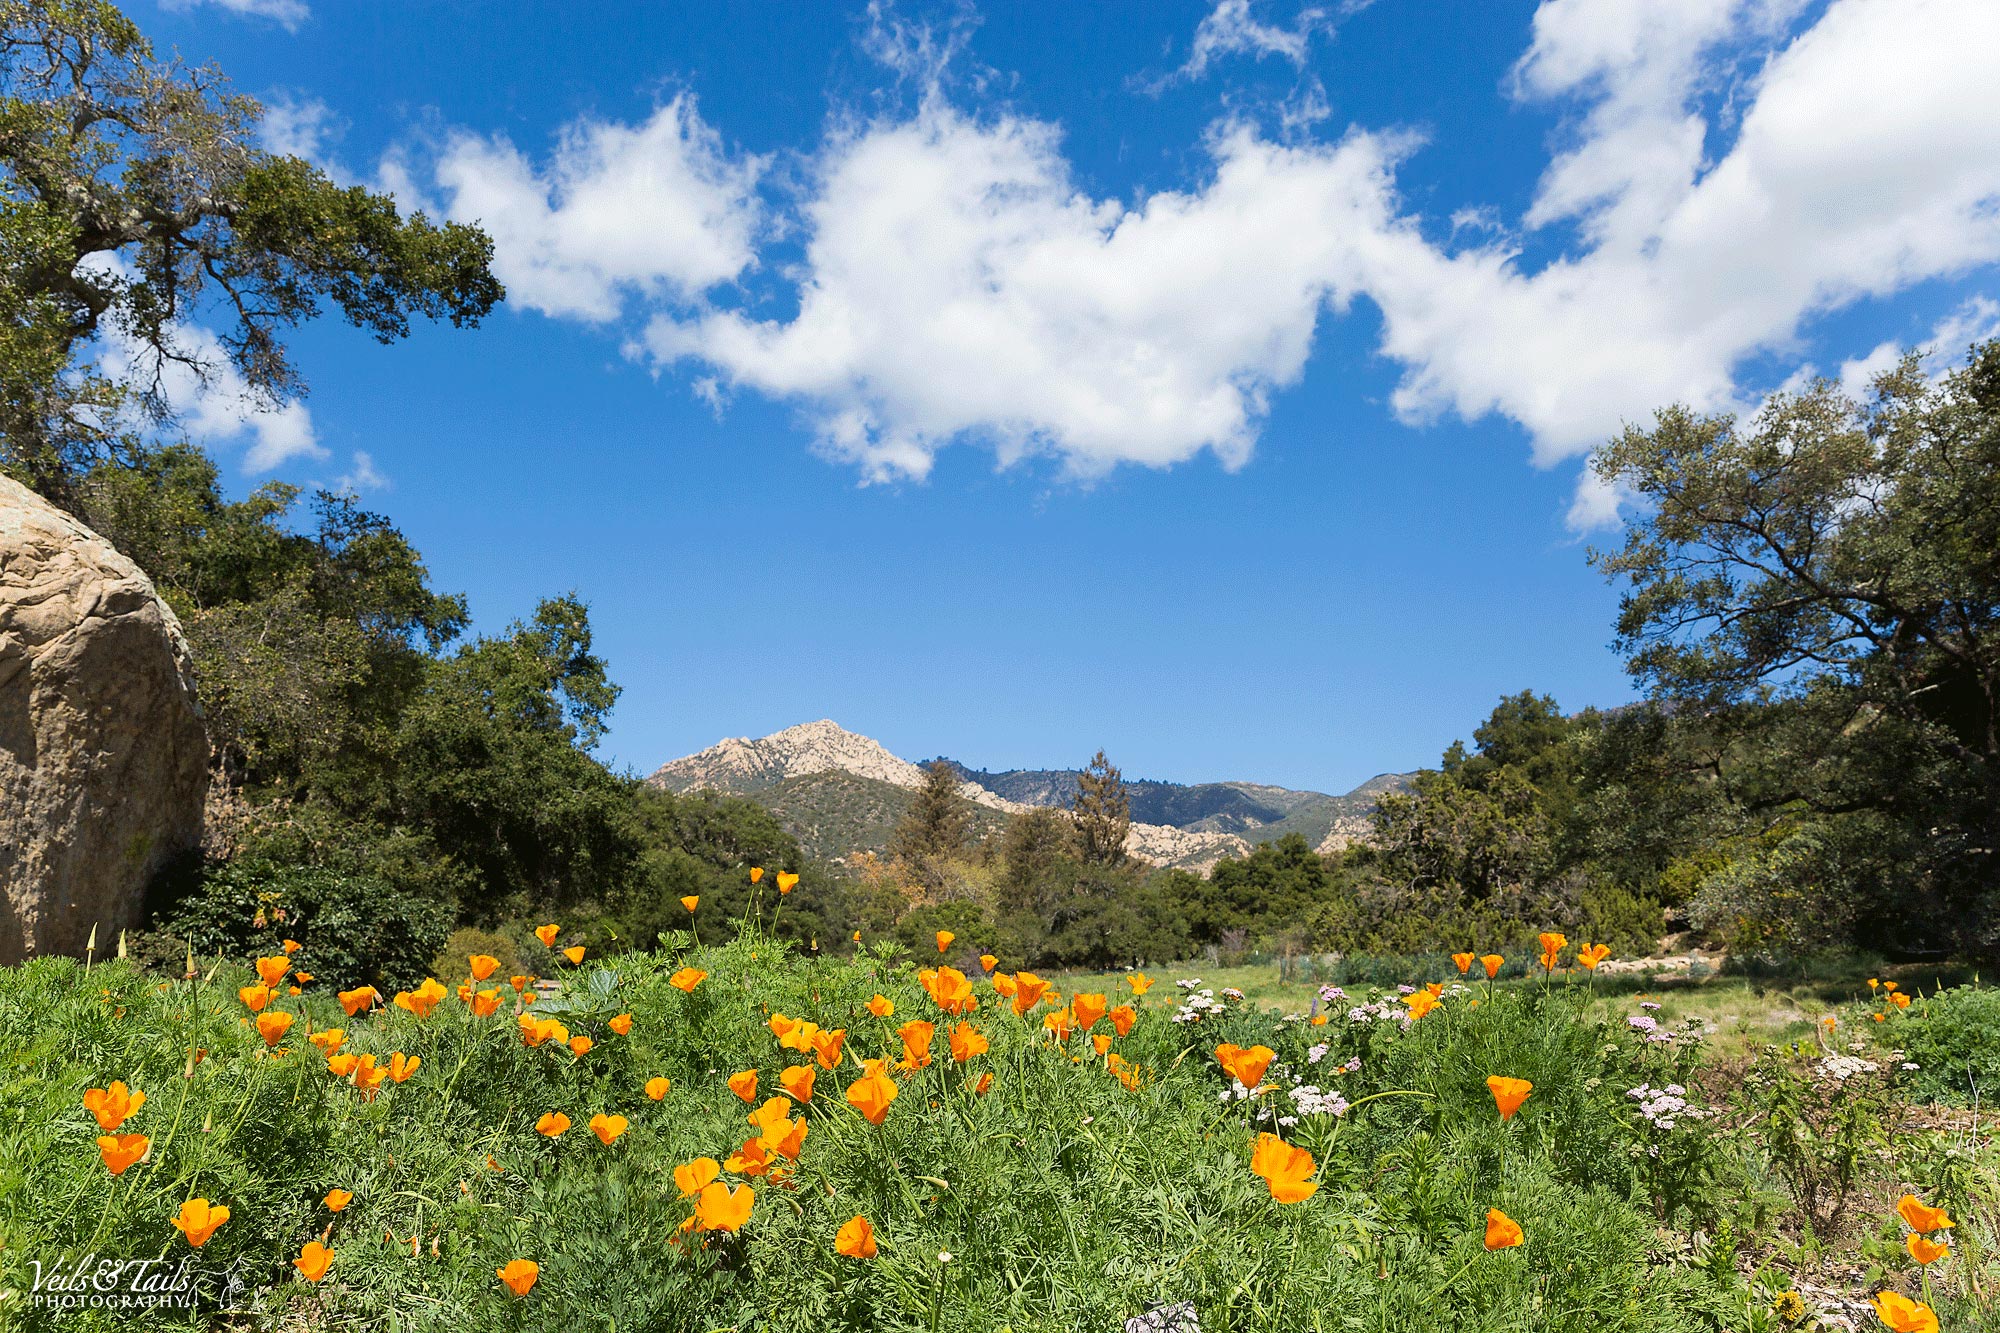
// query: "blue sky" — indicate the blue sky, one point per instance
point(1207, 382)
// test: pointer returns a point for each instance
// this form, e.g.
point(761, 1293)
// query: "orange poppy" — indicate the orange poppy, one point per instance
point(113, 1106)
point(486, 1003)
point(967, 1041)
point(1421, 1003)
point(518, 982)
point(1553, 943)
point(368, 1077)
point(1508, 1093)
point(988, 962)
point(1491, 962)
point(657, 1087)
point(797, 1081)
point(1246, 1066)
point(482, 965)
point(691, 902)
point(579, 1046)
point(1100, 1042)
point(756, 873)
point(621, 1025)
point(985, 1082)
point(608, 1127)
point(1502, 1231)
point(273, 1026)
point(1900, 1000)
point(856, 1239)
point(872, 1092)
point(1088, 1008)
point(1285, 1168)
point(744, 1084)
point(551, 1124)
point(1921, 1216)
point(1004, 985)
point(291, 946)
point(1122, 1018)
point(254, 997)
point(361, 997)
point(1923, 1249)
point(718, 1208)
point(272, 970)
point(1139, 982)
point(944, 939)
point(1060, 1022)
point(1463, 962)
point(313, 1261)
point(401, 1066)
point(1028, 991)
point(694, 1175)
point(336, 1200)
point(787, 881)
point(1889, 985)
point(1590, 955)
point(574, 953)
point(881, 1006)
point(687, 978)
point(423, 999)
point(826, 1047)
point(1900, 1314)
point(198, 1221)
point(519, 1275)
point(949, 989)
point(781, 1026)
point(340, 1066)
point(121, 1150)
point(547, 934)
point(800, 1038)
point(916, 1035)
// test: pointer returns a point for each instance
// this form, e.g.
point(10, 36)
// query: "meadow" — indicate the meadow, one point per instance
point(755, 1136)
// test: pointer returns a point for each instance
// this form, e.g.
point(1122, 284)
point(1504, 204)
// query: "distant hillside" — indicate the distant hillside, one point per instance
point(839, 793)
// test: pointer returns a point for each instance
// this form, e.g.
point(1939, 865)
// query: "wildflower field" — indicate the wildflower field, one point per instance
point(751, 1137)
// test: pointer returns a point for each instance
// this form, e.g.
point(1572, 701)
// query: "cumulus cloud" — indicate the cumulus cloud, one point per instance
point(290, 13)
point(656, 211)
point(959, 283)
point(295, 126)
point(362, 476)
point(1976, 320)
point(211, 401)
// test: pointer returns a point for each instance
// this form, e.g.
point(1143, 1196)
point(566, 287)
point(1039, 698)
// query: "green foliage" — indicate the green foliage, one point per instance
point(358, 930)
point(1953, 1038)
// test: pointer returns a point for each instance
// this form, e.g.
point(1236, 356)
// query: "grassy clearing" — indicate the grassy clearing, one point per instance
point(1066, 1191)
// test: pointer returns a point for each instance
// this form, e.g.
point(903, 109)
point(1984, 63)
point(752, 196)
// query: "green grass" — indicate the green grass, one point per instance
point(1064, 1200)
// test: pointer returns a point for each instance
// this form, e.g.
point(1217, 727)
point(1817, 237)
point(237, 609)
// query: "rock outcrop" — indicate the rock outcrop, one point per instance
point(103, 759)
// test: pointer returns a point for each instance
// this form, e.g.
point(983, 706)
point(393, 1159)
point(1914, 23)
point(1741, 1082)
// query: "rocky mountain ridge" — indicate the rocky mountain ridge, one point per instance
point(1176, 824)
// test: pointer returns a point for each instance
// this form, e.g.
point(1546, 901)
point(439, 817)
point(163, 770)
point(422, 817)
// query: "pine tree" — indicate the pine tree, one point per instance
point(1102, 812)
point(935, 830)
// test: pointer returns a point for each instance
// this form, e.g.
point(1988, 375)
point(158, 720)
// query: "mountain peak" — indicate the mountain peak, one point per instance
point(742, 765)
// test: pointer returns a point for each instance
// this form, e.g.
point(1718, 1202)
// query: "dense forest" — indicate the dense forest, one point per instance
point(1809, 602)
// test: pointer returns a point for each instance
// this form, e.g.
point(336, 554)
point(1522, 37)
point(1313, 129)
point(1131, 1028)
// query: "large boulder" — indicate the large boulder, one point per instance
point(103, 760)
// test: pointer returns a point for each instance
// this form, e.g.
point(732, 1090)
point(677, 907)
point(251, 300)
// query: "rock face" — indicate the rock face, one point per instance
point(103, 760)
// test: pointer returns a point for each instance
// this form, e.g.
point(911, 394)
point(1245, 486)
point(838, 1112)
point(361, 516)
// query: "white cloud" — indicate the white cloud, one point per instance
point(657, 211)
point(363, 476)
point(298, 127)
point(290, 13)
point(958, 283)
point(1976, 320)
point(213, 404)
point(1233, 29)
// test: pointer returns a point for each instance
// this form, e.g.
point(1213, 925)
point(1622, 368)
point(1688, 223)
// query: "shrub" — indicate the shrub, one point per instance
point(1953, 1038)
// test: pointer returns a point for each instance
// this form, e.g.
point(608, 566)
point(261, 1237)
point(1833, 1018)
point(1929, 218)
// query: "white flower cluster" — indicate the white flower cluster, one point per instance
point(1375, 1012)
point(1197, 1006)
point(1317, 1053)
point(1840, 1068)
point(1663, 1108)
point(1312, 1100)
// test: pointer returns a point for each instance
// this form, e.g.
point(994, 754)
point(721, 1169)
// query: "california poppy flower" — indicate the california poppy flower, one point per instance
point(547, 934)
point(1903, 1315)
point(402, 1066)
point(756, 873)
point(482, 965)
point(519, 1275)
point(1923, 1249)
point(273, 1026)
point(1245, 1066)
point(985, 1082)
point(1059, 1021)
point(1889, 985)
point(1508, 1093)
point(797, 1081)
point(687, 978)
point(121, 1150)
point(340, 1066)
point(368, 1076)
point(313, 1261)
point(826, 1047)
point(1921, 1216)
point(916, 1035)
point(949, 990)
point(608, 1127)
point(1502, 1231)
point(1900, 1000)
point(1127, 1072)
point(291, 946)
point(272, 970)
point(579, 1046)
point(574, 953)
point(423, 999)
point(551, 1124)
point(113, 1106)
point(1004, 985)
point(692, 1176)
point(1590, 955)
point(872, 1092)
point(656, 1087)
point(354, 1001)
point(197, 1221)
point(1421, 1003)
point(486, 1003)
point(1028, 991)
point(744, 1084)
point(988, 962)
point(787, 1140)
point(621, 1025)
point(691, 901)
point(856, 1239)
point(1553, 943)
point(944, 939)
point(799, 1035)
point(967, 1041)
point(1100, 1042)
point(1463, 962)
point(254, 997)
point(787, 881)
point(336, 1200)
point(518, 982)
point(1139, 982)
point(1088, 1008)
point(881, 1006)
point(1491, 962)
point(1285, 1168)
point(718, 1208)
